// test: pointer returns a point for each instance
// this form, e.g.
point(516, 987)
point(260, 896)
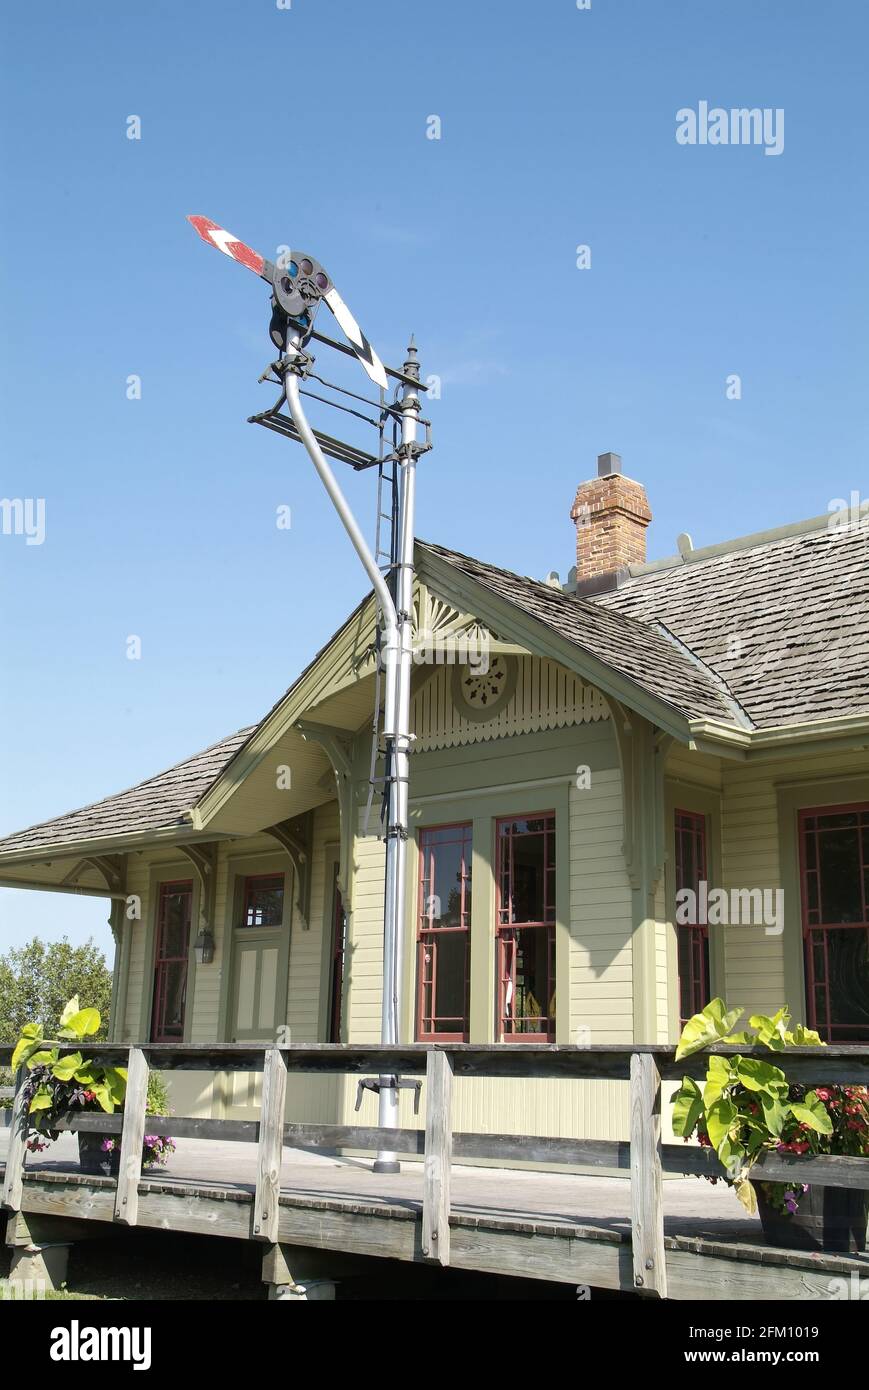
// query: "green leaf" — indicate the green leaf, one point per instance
point(42, 1100)
point(687, 1108)
point(757, 1075)
point(774, 1112)
point(116, 1081)
point(747, 1195)
point(30, 1040)
point(805, 1037)
point(812, 1114)
point(30, 1053)
point(81, 1024)
point(719, 1076)
point(772, 1032)
point(709, 1026)
point(104, 1097)
point(719, 1118)
point(70, 1010)
point(65, 1068)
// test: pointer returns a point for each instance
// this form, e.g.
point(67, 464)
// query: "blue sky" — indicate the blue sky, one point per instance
point(307, 126)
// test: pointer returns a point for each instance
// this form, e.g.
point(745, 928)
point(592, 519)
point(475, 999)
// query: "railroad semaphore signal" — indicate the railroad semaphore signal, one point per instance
point(299, 285)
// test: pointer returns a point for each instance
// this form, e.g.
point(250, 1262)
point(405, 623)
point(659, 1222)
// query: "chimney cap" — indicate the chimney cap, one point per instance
point(607, 464)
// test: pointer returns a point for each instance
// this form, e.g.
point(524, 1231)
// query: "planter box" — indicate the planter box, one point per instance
point(828, 1218)
point(92, 1158)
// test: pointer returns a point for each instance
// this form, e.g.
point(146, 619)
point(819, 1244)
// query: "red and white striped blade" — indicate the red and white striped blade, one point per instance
point(357, 339)
point(228, 244)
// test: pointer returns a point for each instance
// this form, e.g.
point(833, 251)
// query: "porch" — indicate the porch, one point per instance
point(656, 1230)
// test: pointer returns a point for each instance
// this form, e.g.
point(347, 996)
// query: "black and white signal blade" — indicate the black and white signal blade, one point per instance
point(298, 282)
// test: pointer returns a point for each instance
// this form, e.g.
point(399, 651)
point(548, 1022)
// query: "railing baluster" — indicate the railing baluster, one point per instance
point(266, 1209)
point(647, 1201)
point(17, 1150)
point(132, 1139)
point(438, 1157)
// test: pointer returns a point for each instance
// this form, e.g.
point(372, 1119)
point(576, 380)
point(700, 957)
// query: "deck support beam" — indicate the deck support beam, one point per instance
point(297, 1275)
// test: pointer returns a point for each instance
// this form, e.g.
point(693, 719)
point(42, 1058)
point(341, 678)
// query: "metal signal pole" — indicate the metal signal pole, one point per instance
point(396, 604)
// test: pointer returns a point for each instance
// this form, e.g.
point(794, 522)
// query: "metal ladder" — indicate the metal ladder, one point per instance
point(386, 556)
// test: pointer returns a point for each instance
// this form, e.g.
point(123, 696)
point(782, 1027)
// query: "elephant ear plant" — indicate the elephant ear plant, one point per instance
point(747, 1105)
point(60, 1082)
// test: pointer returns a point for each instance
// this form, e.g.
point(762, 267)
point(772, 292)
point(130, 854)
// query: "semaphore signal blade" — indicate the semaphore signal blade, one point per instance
point(230, 245)
point(357, 339)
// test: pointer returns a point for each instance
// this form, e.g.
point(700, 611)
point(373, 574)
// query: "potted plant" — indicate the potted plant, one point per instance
point(62, 1082)
point(747, 1106)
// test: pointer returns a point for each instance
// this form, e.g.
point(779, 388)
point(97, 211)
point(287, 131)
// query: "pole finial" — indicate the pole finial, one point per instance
point(411, 366)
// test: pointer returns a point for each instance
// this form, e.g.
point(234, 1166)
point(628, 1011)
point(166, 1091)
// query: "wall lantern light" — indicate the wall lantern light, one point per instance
point(204, 947)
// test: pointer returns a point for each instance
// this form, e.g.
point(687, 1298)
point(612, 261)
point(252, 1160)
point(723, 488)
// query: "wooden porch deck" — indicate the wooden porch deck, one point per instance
point(560, 1225)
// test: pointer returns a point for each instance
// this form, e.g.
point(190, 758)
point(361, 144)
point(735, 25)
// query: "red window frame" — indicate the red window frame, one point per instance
point(507, 929)
point(251, 883)
point(339, 946)
point(692, 939)
point(162, 963)
point(429, 935)
point(816, 931)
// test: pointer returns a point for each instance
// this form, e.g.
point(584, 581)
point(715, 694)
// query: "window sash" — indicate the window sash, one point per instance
point(692, 940)
point(269, 915)
point(835, 953)
point(533, 939)
point(170, 966)
point(439, 947)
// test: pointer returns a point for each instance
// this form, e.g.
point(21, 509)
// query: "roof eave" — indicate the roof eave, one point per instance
point(183, 834)
point(845, 731)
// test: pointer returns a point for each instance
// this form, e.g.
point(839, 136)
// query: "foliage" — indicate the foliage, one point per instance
point(747, 1105)
point(37, 979)
point(63, 1081)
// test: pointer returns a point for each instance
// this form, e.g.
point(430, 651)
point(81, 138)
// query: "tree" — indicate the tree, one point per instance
point(36, 981)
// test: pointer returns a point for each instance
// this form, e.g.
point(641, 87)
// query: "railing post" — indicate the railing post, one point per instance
point(647, 1201)
point(438, 1157)
point(132, 1139)
point(271, 1146)
point(17, 1151)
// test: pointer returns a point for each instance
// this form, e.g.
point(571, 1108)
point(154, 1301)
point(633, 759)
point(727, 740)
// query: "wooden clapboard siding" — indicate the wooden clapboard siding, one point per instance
point(365, 964)
point(662, 963)
point(601, 993)
point(699, 768)
point(546, 697)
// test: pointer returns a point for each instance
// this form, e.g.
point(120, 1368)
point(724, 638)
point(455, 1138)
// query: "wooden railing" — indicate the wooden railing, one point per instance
point(644, 1155)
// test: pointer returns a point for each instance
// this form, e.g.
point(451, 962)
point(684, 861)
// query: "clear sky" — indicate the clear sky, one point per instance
point(308, 126)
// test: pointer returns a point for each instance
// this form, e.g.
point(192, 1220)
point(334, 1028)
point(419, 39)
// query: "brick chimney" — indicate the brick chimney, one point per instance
point(611, 513)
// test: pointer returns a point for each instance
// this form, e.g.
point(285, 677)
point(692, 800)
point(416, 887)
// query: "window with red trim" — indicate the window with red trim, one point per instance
point(174, 915)
point(443, 933)
point(339, 948)
point(263, 901)
point(834, 865)
point(525, 928)
point(692, 938)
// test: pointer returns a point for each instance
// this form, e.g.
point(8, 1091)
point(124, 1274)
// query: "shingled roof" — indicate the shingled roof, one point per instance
point(766, 632)
point(635, 649)
point(156, 804)
point(784, 622)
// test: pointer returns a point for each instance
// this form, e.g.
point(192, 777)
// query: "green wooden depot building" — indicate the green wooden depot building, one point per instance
point(582, 753)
